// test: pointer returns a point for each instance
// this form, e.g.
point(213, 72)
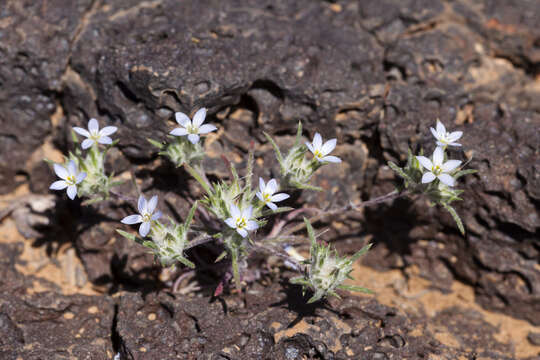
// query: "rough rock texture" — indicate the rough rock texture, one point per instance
point(272, 324)
point(376, 74)
point(47, 325)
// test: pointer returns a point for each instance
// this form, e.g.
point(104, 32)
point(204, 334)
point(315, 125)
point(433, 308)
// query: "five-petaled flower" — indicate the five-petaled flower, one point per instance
point(438, 169)
point(241, 220)
point(70, 176)
point(146, 211)
point(94, 134)
point(267, 193)
point(445, 138)
point(320, 151)
point(192, 128)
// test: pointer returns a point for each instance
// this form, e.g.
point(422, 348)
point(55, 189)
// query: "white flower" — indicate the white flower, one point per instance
point(241, 220)
point(445, 138)
point(192, 128)
point(267, 193)
point(321, 151)
point(437, 169)
point(70, 176)
point(94, 134)
point(146, 211)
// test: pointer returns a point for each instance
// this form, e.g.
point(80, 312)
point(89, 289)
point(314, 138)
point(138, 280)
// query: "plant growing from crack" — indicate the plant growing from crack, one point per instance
point(234, 211)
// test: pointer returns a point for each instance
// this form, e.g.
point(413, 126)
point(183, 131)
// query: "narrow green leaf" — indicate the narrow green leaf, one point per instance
point(355, 288)
point(155, 143)
point(190, 216)
point(456, 217)
point(221, 257)
point(186, 262)
point(127, 235)
point(268, 212)
point(298, 134)
point(361, 252)
point(299, 280)
point(198, 177)
point(150, 244)
point(276, 149)
point(464, 172)
point(400, 171)
point(311, 233)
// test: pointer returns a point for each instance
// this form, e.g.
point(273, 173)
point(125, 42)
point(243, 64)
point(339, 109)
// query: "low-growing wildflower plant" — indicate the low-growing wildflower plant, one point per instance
point(435, 177)
point(234, 214)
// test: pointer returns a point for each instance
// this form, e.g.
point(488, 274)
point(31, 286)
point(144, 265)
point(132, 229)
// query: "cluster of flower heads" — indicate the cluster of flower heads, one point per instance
point(242, 210)
point(437, 168)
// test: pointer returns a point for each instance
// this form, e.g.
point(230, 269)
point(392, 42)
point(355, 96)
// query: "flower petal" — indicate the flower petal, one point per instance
point(151, 205)
point(332, 159)
point(193, 138)
point(434, 132)
point(440, 128)
point(157, 215)
point(131, 219)
point(438, 156)
point(58, 185)
point(72, 167)
point(262, 185)
point(72, 192)
point(206, 128)
point(251, 225)
point(271, 205)
point(182, 119)
point(455, 136)
point(61, 171)
point(199, 117)
point(246, 213)
point(108, 130)
point(179, 132)
point(87, 143)
point(446, 179)
point(80, 177)
point(428, 177)
point(105, 140)
point(329, 146)
point(259, 195)
point(279, 197)
point(141, 204)
point(235, 211)
point(317, 141)
point(93, 126)
point(81, 131)
point(450, 165)
point(310, 147)
point(144, 229)
point(230, 222)
point(272, 186)
point(455, 144)
point(243, 233)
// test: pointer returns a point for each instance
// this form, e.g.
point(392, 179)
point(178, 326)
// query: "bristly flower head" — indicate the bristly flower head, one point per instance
point(70, 176)
point(438, 169)
point(267, 193)
point(94, 134)
point(320, 151)
point(146, 211)
point(241, 220)
point(445, 138)
point(192, 128)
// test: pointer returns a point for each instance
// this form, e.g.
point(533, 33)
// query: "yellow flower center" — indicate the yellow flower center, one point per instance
point(147, 217)
point(437, 170)
point(317, 154)
point(71, 180)
point(241, 222)
point(267, 197)
point(192, 129)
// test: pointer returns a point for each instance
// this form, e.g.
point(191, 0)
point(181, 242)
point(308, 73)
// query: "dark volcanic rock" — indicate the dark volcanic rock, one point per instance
point(47, 325)
point(35, 47)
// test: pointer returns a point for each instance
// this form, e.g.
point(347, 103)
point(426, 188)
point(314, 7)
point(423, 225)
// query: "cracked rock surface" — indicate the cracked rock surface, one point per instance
point(374, 74)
